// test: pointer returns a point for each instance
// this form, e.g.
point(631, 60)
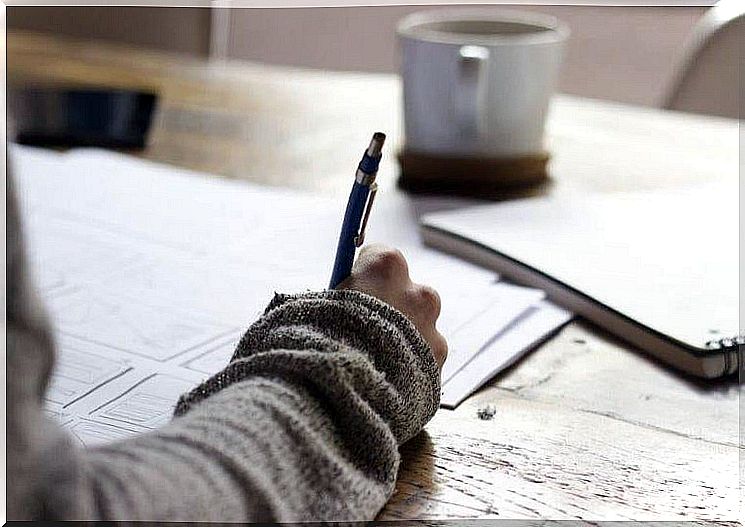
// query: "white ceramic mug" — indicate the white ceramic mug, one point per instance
point(478, 82)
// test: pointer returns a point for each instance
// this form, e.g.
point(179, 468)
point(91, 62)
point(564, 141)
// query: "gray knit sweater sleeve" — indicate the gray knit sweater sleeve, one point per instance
point(303, 424)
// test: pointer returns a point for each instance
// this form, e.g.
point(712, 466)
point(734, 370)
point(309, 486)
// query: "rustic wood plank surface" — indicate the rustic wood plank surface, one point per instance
point(585, 427)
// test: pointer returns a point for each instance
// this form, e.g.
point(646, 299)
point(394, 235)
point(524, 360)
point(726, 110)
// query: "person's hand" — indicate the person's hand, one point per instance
point(382, 272)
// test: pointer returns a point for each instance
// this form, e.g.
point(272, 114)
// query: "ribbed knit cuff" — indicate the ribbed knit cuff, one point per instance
point(338, 321)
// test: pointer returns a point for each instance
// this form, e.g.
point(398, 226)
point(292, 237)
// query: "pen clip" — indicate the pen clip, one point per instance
point(360, 238)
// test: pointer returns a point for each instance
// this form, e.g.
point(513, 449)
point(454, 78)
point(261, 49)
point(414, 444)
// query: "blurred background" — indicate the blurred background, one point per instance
point(625, 54)
point(273, 95)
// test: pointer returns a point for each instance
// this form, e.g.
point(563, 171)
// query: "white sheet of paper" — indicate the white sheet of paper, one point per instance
point(102, 394)
point(508, 302)
point(503, 351)
point(151, 274)
point(79, 371)
point(213, 360)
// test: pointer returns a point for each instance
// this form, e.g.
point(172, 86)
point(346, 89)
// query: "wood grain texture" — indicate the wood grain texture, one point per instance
point(585, 427)
point(541, 459)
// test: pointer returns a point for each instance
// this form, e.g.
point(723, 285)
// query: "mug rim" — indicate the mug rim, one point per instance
point(557, 31)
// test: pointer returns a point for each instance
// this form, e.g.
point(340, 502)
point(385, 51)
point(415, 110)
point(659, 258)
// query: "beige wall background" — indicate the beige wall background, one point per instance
point(626, 54)
point(621, 53)
point(182, 30)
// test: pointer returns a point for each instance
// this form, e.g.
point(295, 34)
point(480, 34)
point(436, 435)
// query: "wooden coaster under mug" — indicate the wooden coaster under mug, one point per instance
point(479, 177)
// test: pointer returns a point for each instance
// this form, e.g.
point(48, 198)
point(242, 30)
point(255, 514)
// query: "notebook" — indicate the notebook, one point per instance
point(658, 269)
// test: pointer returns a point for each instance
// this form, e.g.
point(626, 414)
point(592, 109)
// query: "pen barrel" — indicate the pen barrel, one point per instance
point(350, 229)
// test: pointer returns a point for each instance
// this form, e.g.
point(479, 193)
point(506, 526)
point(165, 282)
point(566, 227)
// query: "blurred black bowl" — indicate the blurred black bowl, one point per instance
point(82, 117)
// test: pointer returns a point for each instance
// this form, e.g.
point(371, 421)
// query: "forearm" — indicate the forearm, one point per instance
point(282, 458)
point(303, 425)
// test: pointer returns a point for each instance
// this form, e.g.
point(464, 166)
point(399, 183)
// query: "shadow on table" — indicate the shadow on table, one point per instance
point(723, 386)
point(415, 480)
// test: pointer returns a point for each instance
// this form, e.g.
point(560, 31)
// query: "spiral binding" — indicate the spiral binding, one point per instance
point(726, 344)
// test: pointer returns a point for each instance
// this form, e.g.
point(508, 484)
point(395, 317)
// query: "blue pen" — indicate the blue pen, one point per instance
point(356, 216)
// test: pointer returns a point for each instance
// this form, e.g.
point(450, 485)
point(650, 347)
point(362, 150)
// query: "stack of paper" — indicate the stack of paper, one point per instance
point(151, 274)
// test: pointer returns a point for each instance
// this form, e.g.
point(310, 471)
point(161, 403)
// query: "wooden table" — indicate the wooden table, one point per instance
point(585, 427)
